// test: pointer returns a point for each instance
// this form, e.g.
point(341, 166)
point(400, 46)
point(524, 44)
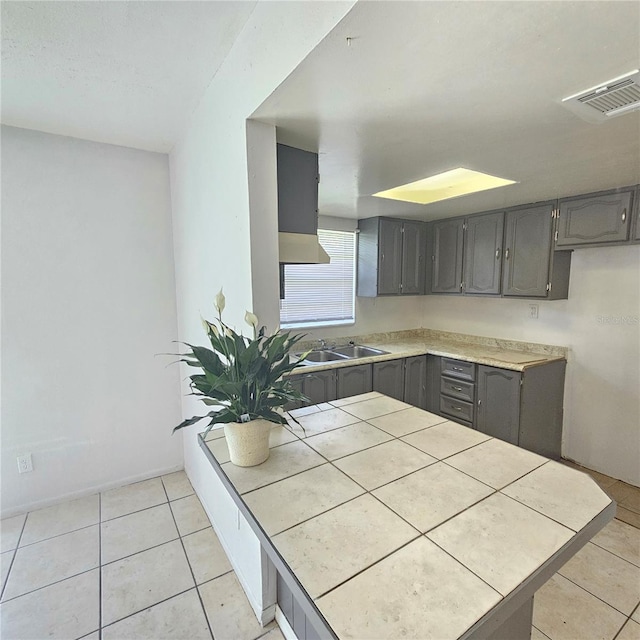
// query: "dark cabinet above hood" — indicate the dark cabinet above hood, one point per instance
point(298, 207)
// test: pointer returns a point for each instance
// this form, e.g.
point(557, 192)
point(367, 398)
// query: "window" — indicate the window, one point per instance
point(322, 294)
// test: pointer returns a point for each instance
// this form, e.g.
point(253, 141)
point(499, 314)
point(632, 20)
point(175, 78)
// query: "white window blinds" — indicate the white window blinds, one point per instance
point(322, 294)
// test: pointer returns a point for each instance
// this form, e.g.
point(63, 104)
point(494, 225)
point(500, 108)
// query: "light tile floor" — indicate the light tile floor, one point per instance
point(140, 561)
point(143, 562)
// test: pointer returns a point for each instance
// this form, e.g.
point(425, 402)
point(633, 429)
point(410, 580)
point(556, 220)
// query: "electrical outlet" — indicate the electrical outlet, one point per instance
point(533, 311)
point(25, 463)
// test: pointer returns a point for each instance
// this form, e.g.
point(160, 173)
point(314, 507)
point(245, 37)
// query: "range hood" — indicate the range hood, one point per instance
point(301, 248)
point(298, 207)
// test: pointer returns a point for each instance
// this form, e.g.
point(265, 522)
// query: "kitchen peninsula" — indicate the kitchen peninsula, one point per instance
point(382, 520)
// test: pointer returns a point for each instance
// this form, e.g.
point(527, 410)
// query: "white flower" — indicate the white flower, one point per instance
point(219, 301)
point(251, 319)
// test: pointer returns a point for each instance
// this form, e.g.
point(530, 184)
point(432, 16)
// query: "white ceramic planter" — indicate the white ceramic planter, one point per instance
point(248, 442)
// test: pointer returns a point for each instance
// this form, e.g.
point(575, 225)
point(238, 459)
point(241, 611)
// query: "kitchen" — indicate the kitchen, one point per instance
point(210, 200)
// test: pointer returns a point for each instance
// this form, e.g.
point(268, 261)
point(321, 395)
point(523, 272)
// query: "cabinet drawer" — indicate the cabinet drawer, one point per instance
point(458, 369)
point(457, 409)
point(457, 389)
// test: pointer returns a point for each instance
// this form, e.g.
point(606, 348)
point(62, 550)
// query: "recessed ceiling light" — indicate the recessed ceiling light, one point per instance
point(450, 184)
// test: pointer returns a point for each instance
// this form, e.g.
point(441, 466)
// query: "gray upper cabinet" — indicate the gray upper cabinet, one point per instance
point(391, 257)
point(595, 219)
point(446, 256)
point(498, 405)
point(483, 253)
point(388, 378)
point(414, 247)
point(527, 250)
point(297, 190)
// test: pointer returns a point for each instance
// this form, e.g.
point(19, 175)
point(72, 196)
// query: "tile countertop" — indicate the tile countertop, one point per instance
point(494, 352)
point(399, 523)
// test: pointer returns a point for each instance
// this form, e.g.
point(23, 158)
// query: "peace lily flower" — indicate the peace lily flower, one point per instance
point(252, 320)
point(219, 302)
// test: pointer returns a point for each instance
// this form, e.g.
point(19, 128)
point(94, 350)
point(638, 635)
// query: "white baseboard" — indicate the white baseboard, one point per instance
point(88, 491)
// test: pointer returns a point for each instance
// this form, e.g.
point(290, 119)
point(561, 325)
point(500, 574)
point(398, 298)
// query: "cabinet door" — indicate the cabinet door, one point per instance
point(297, 384)
point(483, 253)
point(446, 275)
point(595, 219)
point(389, 257)
point(498, 410)
point(527, 252)
point(353, 381)
point(415, 381)
point(388, 378)
point(319, 387)
point(636, 235)
point(414, 246)
point(297, 190)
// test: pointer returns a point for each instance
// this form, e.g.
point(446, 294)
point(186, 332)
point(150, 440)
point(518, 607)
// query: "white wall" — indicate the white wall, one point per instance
point(215, 223)
point(599, 323)
point(87, 301)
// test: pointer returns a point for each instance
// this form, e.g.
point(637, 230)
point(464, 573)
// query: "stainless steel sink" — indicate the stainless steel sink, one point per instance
point(350, 352)
point(359, 351)
point(324, 356)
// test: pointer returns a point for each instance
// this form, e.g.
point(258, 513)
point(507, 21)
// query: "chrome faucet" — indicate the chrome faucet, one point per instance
point(323, 343)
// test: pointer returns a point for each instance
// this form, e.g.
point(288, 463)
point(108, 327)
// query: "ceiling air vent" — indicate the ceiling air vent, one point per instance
point(612, 98)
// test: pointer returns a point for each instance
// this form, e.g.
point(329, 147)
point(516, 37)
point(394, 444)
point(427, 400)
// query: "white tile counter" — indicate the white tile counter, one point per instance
point(399, 524)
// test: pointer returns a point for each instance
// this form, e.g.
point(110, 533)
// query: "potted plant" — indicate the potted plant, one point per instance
point(242, 379)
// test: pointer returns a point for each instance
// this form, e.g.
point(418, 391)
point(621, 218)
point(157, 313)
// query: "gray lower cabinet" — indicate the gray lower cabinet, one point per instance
point(595, 219)
point(498, 405)
point(483, 253)
point(318, 387)
point(524, 408)
point(353, 381)
point(388, 378)
point(415, 381)
point(446, 256)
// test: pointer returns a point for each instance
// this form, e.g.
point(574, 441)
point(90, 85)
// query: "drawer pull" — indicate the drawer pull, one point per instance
point(506, 254)
point(624, 214)
point(457, 388)
point(498, 254)
point(457, 368)
point(457, 408)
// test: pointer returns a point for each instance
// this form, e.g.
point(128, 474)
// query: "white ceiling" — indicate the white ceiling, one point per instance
point(423, 87)
point(420, 88)
point(127, 73)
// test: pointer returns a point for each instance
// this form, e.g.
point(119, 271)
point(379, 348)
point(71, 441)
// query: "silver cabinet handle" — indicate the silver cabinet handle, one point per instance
point(457, 388)
point(456, 408)
point(624, 214)
point(506, 254)
point(498, 253)
point(457, 369)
